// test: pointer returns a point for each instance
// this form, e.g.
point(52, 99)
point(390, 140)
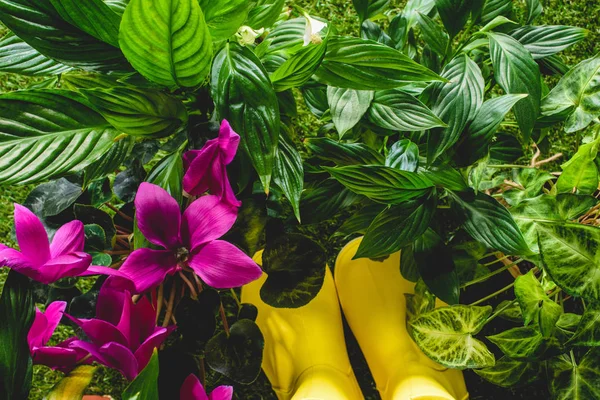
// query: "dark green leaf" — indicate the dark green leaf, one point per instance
point(315, 97)
point(196, 319)
point(588, 330)
point(265, 13)
point(18, 57)
point(91, 215)
point(545, 40)
point(495, 8)
point(510, 373)
point(168, 174)
point(372, 31)
point(288, 172)
point(570, 380)
point(506, 148)
point(517, 73)
point(369, 8)
point(167, 41)
point(455, 13)
point(347, 106)
point(110, 161)
point(433, 34)
point(534, 9)
point(52, 198)
point(145, 385)
point(299, 68)
point(367, 65)
point(98, 192)
point(249, 227)
point(445, 176)
point(403, 155)
point(321, 202)
point(95, 237)
point(224, 18)
point(296, 268)
point(127, 182)
point(243, 95)
point(359, 221)
point(238, 356)
point(17, 311)
point(343, 153)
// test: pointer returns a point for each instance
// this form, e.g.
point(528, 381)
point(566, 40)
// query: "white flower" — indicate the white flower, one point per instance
point(312, 30)
point(246, 35)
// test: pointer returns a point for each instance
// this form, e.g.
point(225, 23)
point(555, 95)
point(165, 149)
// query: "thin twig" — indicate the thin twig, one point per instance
point(536, 155)
point(170, 304)
point(224, 319)
point(159, 301)
point(189, 284)
point(496, 293)
point(198, 283)
point(121, 213)
point(202, 372)
point(237, 301)
point(513, 269)
point(549, 159)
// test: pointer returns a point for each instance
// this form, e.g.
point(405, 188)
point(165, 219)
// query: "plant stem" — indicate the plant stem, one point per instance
point(498, 312)
point(121, 213)
point(202, 372)
point(224, 319)
point(493, 294)
point(237, 301)
point(170, 304)
point(487, 276)
point(508, 166)
point(189, 284)
point(117, 252)
point(159, 300)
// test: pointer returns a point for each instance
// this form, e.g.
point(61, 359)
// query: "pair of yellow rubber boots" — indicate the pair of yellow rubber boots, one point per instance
point(305, 353)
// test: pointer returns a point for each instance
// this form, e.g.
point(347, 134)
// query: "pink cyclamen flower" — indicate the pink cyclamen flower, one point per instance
point(123, 335)
point(45, 262)
point(188, 241)
point(206, 168)
point(61, 356)
point(192, 389)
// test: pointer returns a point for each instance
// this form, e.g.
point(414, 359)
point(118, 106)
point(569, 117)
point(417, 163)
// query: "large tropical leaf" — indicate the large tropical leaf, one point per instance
point(580, 173)
point(167, 41)
point(588, 330)
point(168, 174)
point(18, 57)
point(445, 335)
point(369, 8)
point(224, 18)
point(73, 385)
point(578, 94)
point(517, 73)
point(545, 40)
point(509, 373)
point(343, 153)
point(570, 254)
point(575, 380)
point(455, 13)
point(288, 172)
point(347, 106)
point(300, 67)
point(243, 95)
point(536, 306)
point(48, 133)
point(363, 64)
point(526, 343)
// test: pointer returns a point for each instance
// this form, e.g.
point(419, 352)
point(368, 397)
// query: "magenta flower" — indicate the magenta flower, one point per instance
point(192, 389)
point(188, 241)
point(206, 168)
point(61, 356)
point(123, 335)
point(44, 262)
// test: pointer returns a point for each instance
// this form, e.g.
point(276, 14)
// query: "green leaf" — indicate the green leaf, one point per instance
point(168, 174)
point(476, 140)
point(347, 106)
point(238, 356)
point(403, 155)
point(489, 222)
point(380, 183)
point(517, 72)
point(295, 265)
point(536, 306)
point(145, 385)
point(248, 231)
point(264, 13)
point(369, 8)
point(224, 18)
point(525, 343)
point(433, 34)
point(51, 198)
point(91, 16)
point(455, 103)
point(18, 57)
point(126, 182)
point(445, 335)
point(588, 330)
point(73, 385)
point(322, 201)
point(570, 254)
point(578, 94)
point(445, 176)
point(41, 26)
point(343, 153)
point(532, 181)
point(300, 67)
point(315, 97)
point(575, 381)
point(395, 227)
point(421, 302)
point(397, 110)
point(580, 173)
point(435, 265)
point(534, 9)
point(545, 40)
point(90, 215)
point(288, 172)
point(48, 133)
point(495, 8)
point(455, 13)
point(371, 30)
point(110, 161)
point(510, 373)
point(167, 41)
point(243, 95)
point(362, 64)
point(144, 112)
point(359, 221)
point(17, 311)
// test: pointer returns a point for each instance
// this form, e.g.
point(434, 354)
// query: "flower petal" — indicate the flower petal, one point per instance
point(192, 389)
point(69, 238)
point(143, 322)
point(228, 142)
point(16, 260)
point(55, 357)
point(112, 355)
point(222, 393)
point(45, 324)
point(197, 164)
point(144, 352)
point(31, 235)
point(100, 332)
point(206, 219)
point(147, 268)
point(158, 215)
point(109, 306)
point(222, 265)
point(73, 264)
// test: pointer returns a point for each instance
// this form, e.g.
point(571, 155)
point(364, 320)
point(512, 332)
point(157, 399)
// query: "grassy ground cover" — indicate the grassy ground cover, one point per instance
point(582, 13)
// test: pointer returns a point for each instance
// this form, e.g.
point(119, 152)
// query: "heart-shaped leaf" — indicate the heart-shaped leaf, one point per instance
point(509, 373)
point(535, 304)
point(572, 380)
point(526, 343)
point(588, 329)
point(49, 199)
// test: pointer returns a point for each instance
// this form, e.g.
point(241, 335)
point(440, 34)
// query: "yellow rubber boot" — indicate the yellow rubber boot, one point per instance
point(305, 353)
point(372, 297)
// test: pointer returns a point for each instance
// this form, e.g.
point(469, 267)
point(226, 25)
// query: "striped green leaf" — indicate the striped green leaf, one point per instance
point(545, 40)
point(110, 161)
point(18, 57)
point(299, 68)
point(403, 155)
point(343, 153)
point(48, 133)
point(380, 183)
point(264, 13)
point(588, 329)
point(446, 335)
point(369, 8)
point(347, 106)
point(288, 172)
point(167, 41)
point(575, 379)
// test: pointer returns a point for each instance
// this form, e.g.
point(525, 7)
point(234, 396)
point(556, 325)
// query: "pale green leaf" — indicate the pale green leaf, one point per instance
point(536, 306)
point(510, 373)
point(224, 17)
point(347, 106)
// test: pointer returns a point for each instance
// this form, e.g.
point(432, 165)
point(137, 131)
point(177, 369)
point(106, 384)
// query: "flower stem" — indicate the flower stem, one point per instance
point(159, 301)
point(202, 372)
point(190, 285)
point(121, 213)
point(117, 252)
point(170, 304)
point(237, 301)
point(493, 294)
point(224, 319)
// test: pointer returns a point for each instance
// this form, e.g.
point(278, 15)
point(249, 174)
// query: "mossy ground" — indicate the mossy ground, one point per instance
point(582, 13)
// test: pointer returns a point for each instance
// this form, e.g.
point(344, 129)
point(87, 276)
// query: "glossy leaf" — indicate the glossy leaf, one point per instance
point(510, 373)
point(433, 34)
point(168, 174)
point(534, 9)
point(167, 41)
point(575, 380)
point(264, 13)
point(397, 110)
point(361, 64)
point(536, 306)
point(288, 172)
point(126, 182)
point(359, 221)
point(369, 8)
point(455, 13)
point(403, 155)
point(142, 112)
point(48, 133)
point(525, 343)
point(243, 95)
point(224, 18)
point(73, 385)
point(445, 335)
point(380, 183)
point(494, 8)
point(110, 161)
point(145, 385)
point(18, 57)
point(577, 94)
point(546, 40)
point(489, 222)
point(322, 201)
point(315, 98)
point(347, 106)
point(299, 68)
point(343, 153)
point(17, 311)
point(517, 73)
